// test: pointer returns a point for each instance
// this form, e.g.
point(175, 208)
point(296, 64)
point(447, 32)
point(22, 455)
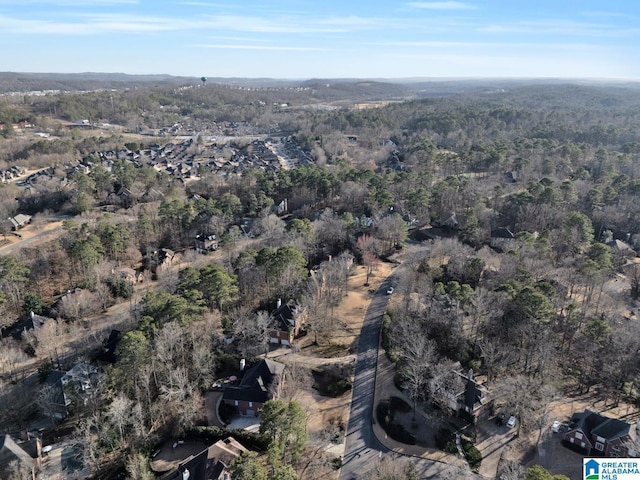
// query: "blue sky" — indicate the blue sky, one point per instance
point(328, 39)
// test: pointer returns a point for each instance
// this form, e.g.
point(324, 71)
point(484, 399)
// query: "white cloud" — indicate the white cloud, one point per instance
point(69, 3)
point(222, 46)
point(560, 27)
point(96, 23)
point(477, 45)
point(442, 5)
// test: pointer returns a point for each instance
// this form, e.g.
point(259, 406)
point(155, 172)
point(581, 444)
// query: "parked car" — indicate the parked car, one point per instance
point(511, 422)
point(555, 428)
point(389, 290)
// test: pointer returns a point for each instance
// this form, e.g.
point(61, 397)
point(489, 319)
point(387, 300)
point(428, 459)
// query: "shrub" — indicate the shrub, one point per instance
point(472, 454)
point(337, 463)
point(119, 287)
point(227, 412)
point(338, 386)
point(398, 404)
point(44, 369)
point(446, 440)
point(385, 341)
point(383, 413)
point(467, 417)
point(399, 434)
point(398, 381)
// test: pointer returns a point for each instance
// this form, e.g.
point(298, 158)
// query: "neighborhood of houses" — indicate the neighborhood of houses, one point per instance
point(589, 433)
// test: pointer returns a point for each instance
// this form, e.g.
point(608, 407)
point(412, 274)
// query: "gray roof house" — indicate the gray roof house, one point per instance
point(259, 384)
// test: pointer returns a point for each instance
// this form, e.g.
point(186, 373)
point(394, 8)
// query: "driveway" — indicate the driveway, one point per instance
point(491, 441)
point(557, 458)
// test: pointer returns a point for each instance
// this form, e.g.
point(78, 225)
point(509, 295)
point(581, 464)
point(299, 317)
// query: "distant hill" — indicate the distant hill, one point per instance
point(363, 89)
point(73, 82)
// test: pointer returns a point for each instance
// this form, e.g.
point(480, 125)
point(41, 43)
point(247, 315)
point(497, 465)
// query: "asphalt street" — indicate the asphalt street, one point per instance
point(363, 451)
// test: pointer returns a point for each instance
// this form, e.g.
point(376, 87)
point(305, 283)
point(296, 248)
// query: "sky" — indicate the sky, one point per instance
point(301, 39)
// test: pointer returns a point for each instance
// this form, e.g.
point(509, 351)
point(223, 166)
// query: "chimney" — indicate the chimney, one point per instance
point(470, 374)
point(242, 364)
point(278, 303)
point(628, 237)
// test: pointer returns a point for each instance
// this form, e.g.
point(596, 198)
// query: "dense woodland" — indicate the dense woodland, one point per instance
point(558, 165)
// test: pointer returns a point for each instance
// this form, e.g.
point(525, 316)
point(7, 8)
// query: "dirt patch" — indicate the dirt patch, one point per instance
point(349, 316)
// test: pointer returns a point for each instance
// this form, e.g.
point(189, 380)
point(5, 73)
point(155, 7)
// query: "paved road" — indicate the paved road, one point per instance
point(362, 449)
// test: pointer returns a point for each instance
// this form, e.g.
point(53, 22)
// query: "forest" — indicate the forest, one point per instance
point(524, 200)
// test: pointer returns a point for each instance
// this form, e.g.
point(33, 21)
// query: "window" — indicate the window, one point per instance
point(250, 404)
point(600, 446)
point(235, 402)
point(578, 436)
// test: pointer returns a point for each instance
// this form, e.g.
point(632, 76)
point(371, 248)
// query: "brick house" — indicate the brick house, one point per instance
point(472, 398)
point(595, 434)
point(260, 383)
point(285, 324)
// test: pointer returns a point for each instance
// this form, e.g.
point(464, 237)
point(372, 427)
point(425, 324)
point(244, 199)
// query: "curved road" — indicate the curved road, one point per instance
point(362, 449)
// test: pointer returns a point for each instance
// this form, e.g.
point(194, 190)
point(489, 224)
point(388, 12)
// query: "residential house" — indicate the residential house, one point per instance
point(472, 399)
point(130, 275)
point(281, 208)
point(210, 464)
point(26, 454)
point(246, 227)
point(596, 435)
point(205, 243)
point(450, 221)
point(622, 248)
point(151, 195)
point(60, 387)
point(285, 324)
point(53, 399)
point(160, 259)
point(501, 238)
point(19, 221)
point(260, 383)
point(34, 322)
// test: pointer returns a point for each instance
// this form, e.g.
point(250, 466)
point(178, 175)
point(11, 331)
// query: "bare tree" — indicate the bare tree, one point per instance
point(20, 470)
point(11, 355)
point(297, 378)
point(78, 305)
point(389, 468)
point(417, 355)
point(119, 414)
point(271, 228)
point(252, 331)
point(138, 467)
point(366, 245)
